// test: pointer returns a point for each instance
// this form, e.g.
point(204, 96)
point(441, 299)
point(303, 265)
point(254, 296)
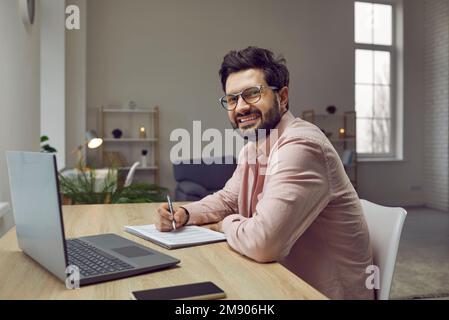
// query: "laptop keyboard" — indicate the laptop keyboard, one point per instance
point(92, 261)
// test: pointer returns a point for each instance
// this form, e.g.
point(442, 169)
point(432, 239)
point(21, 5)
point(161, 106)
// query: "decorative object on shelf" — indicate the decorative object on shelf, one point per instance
point(132, 105)
point(142, 133)
point(114, 159)
point(331, 109)
point(342, 133)
point(117, 133)
point(45, 147)
point(144, 158)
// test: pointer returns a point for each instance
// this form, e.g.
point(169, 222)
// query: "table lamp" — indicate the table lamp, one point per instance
point(92, 141)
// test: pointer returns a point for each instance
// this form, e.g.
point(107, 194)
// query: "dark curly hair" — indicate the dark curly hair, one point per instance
point(274, 69)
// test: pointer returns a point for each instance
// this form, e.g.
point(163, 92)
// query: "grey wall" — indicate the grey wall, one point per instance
point(53, 90)
point(75, 75)
point(168, 53)
point(436, 117)
point(19, 91)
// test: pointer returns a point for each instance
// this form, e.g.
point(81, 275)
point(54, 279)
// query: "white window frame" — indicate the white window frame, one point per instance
point(396, 76)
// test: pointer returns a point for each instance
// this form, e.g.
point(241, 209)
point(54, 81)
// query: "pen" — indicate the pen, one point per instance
point(170, 207)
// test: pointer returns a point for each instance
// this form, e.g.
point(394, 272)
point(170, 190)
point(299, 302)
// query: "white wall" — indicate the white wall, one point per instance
point(168, 53)
point(19, 91)
point(53, 76)
point(75, 73)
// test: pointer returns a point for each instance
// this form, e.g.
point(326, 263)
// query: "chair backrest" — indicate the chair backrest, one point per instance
point(130, 176)
point(385, 227)
point(211, 173)
point(4, 209)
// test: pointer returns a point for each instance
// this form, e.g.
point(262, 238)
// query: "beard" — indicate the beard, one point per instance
point(268, 121)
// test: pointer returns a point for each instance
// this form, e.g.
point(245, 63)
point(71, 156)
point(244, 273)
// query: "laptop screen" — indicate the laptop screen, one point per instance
point(37, 209)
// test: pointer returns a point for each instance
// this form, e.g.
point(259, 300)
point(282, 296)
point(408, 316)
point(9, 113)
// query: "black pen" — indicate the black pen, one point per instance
point(170, 207)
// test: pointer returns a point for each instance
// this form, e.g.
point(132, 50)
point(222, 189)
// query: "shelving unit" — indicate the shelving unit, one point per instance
point(127, 149)
point(344, 143)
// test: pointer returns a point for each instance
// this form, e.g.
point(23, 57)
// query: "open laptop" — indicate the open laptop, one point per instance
point(40, 229)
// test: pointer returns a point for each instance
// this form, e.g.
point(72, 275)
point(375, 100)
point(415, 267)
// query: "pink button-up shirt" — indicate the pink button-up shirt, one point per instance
point(290, 200)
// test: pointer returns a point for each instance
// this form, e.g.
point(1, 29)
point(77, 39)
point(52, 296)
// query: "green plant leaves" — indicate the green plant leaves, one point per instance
point(81, 190)
point(46, 147)
point(140, 193)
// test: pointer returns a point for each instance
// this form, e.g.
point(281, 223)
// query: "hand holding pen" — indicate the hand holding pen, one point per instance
point(167, 220)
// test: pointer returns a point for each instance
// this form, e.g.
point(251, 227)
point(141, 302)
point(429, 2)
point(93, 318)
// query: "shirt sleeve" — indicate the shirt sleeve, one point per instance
point(296, 190)
point(215, 207)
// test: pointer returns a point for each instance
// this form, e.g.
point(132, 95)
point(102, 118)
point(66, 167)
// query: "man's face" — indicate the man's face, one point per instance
point(263, 114)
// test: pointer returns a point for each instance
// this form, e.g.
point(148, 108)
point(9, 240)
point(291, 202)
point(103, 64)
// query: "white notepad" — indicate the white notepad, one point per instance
point(183, 237)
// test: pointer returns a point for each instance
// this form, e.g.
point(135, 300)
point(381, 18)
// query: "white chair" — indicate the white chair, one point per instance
point(130, 176)
point(4, 209)
point(385, 227)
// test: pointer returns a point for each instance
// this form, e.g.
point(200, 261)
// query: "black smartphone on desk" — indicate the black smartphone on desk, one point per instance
point(194, 291)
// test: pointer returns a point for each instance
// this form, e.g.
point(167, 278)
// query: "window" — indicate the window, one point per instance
point(374, 79)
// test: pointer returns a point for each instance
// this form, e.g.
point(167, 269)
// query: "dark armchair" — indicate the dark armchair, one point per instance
point(195, 181)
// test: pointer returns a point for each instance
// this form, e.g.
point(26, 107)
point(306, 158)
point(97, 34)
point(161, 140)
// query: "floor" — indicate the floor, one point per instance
point(422, 265)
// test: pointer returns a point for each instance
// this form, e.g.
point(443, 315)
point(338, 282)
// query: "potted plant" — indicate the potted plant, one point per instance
point(45, 147)
point(81, 189)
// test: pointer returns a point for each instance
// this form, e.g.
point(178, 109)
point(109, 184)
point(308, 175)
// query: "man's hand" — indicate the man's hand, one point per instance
point(217, 227)
point(164, 218)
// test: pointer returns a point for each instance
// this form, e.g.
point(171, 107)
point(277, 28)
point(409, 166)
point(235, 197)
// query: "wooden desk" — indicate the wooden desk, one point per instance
point(239, 277)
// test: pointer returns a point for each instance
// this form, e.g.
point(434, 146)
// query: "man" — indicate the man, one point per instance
point(289, 200)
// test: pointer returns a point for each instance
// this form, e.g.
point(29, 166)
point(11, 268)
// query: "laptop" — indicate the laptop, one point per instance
point(40, 229)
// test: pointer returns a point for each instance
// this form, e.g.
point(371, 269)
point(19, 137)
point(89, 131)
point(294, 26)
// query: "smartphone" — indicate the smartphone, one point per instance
point(193, 291)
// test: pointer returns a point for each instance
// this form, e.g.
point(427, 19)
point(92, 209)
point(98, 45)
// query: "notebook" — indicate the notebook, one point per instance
point(183, 237)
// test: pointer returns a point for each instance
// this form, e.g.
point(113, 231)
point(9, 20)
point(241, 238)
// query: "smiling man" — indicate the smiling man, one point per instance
point(289, 199)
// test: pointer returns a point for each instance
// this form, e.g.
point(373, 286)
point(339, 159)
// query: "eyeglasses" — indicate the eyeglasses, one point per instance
point(249, 95)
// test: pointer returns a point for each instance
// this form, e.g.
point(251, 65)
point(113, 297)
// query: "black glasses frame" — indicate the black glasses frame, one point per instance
point(225, 105)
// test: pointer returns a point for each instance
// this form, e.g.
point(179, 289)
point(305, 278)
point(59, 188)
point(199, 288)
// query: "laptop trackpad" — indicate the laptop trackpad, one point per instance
point(132, 252)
